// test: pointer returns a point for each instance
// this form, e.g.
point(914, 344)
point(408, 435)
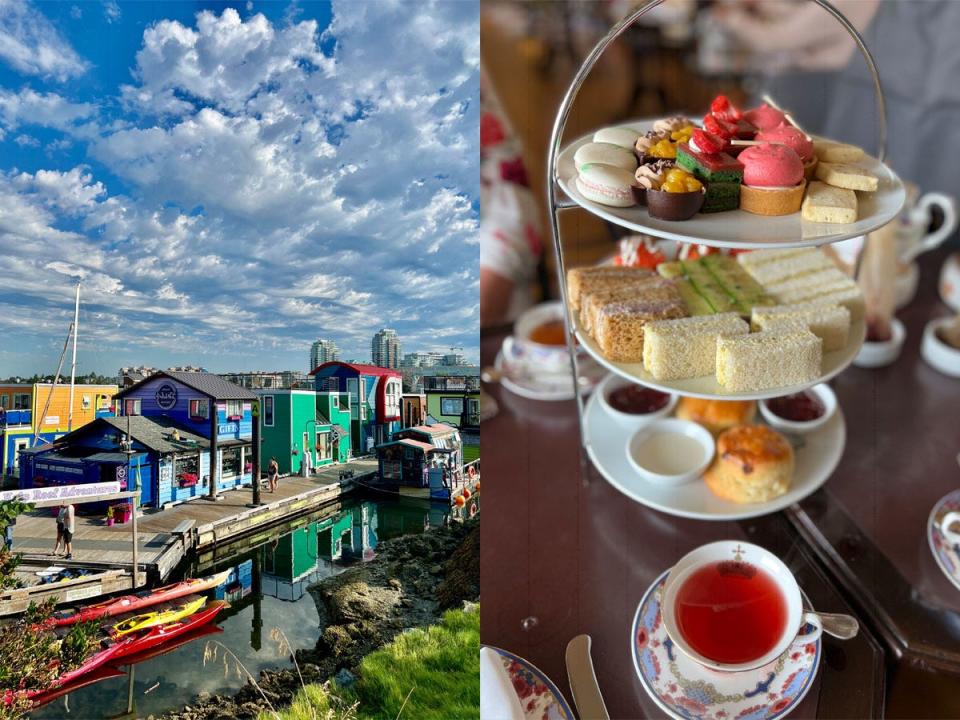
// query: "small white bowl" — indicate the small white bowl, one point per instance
point(648, 456)
point(879, 354)
point(823, 393)
point(936, 352)
point(630, 420)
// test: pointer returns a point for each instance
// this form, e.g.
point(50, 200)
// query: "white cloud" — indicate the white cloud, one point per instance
point(111, 11)
point(32, 45)
point(29, 107)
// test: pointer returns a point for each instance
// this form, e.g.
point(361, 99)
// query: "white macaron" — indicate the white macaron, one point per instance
point(624, 137)
point(607, 185)
point(605, 154)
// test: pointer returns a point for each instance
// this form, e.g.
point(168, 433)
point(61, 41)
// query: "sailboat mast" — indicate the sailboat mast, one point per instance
point(73, 366)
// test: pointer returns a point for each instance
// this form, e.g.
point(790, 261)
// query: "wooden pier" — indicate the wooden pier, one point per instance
point(166, 536)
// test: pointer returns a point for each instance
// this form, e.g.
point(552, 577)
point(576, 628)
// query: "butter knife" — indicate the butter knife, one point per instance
point(583, 681)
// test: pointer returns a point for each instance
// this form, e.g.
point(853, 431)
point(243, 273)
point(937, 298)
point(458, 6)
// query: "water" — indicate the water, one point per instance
point(321, 545)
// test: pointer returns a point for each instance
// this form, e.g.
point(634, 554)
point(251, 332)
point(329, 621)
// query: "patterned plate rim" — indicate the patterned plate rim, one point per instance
point(526, 391)
point(557, 695)
point(932, 528)
point(667, 709)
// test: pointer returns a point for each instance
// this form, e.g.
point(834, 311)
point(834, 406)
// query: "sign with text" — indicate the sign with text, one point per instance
point(61, 492)
point(166, 396)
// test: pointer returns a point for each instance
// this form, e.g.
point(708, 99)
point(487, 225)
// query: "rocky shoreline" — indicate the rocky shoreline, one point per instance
point(412, 581)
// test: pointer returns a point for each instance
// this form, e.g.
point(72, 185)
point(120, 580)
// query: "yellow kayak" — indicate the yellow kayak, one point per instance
point(161, 616)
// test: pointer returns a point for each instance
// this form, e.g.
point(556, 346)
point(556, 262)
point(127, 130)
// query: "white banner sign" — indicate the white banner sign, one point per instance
point(61, 492)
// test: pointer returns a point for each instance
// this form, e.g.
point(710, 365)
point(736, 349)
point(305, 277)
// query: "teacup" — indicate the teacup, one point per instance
point(733, 606)
point(522, 349)
point(949, 284)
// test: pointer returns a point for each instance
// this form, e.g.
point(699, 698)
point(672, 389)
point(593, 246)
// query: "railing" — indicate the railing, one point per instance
point(18, 417)
point(465, 478)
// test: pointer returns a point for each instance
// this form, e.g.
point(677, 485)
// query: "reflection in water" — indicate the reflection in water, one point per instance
point(267, 589)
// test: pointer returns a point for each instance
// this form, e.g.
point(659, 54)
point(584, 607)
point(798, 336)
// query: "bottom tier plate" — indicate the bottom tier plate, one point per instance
point(817, 455)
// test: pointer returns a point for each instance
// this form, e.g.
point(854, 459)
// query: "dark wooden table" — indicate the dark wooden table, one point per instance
point(563, 552)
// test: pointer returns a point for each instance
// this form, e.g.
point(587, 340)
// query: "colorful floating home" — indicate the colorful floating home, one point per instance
point(454, 399)
point(421, 461)
point(374, 400)
point(175, 427)
point(295, 423)
point(38, 413)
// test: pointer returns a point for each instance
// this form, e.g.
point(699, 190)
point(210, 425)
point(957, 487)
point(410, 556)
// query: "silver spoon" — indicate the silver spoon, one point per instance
point(844, 627)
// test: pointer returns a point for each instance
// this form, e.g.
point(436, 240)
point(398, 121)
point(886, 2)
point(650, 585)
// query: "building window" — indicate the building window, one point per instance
point(5, 402)
point(332, 384)
point(268, 410)
point(131, 406)
point(234, 408)
point(200, 409)
point(85, 402)
point(335, 401)
point(323, 446)
point(21, 401)
point(230, 462)
point(451, 406)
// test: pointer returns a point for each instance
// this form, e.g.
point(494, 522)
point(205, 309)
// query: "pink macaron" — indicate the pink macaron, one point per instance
point(771, 166)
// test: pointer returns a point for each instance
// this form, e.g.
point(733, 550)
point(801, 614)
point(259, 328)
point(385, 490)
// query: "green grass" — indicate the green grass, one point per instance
point(470, 453)
point(429, 674)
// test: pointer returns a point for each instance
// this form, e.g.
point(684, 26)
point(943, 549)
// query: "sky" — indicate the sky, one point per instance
point(231, 181)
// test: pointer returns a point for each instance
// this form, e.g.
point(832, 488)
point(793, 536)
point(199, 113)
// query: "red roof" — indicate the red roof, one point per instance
point(362, 369)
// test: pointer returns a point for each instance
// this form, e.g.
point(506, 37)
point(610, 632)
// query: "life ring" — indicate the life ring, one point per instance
point(473, 509)
point(472, 471)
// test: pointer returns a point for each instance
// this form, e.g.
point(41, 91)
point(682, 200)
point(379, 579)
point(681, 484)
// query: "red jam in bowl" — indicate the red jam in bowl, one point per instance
point(802, 407)
point(637, 400)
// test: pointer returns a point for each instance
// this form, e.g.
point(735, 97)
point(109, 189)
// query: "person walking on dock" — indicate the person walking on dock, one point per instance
point(60, 513)
point(273, 474)
point(68, 517)
point(307, 462)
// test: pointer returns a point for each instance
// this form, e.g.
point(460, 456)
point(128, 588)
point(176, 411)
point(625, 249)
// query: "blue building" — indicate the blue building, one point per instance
point(175, 427)
point(375, 394)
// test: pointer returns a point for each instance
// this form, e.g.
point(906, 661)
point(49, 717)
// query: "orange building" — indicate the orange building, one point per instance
point(28, 410)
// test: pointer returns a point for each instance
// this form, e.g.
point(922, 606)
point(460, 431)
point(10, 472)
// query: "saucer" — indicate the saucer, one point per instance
point(686, 690)
point(548, 387)
point(539, 697)
point(946, 553)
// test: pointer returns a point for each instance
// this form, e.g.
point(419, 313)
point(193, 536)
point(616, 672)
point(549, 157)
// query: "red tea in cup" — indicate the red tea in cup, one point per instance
point(731, 612)
point(551, 332)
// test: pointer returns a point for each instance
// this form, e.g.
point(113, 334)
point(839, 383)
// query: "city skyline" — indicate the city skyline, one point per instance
point(225, 217)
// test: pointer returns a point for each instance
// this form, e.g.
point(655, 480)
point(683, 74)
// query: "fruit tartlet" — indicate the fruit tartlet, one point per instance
point(679, 196)
point(773, 181)
point(649, 177)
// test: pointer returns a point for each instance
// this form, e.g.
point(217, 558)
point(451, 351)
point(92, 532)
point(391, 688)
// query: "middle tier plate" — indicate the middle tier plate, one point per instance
point(738, 228)
point(708, 387)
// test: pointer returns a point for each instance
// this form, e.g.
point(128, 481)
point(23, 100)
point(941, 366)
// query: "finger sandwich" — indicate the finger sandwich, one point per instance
point(831, 323)
point(768, 359)
point(649, 288)
point(687, 347)
point(619, 325)
point(600, 276)
point(770, 273)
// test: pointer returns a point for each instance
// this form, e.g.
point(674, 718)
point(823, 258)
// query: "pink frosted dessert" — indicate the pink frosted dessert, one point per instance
point(764, 117)
point(789, 136)
point(771, 166)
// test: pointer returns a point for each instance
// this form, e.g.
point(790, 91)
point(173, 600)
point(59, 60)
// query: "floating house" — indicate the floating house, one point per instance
point(421, 461)
point(374, 400)
point(454, 399)
point(413, 409)
point(175, 428)
point(295, 423)
point(38, 413)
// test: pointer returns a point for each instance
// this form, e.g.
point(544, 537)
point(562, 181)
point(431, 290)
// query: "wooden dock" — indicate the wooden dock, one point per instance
point(166, 536)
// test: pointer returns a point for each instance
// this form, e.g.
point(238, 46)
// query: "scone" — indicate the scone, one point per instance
point(753, 464)
point(717, 415)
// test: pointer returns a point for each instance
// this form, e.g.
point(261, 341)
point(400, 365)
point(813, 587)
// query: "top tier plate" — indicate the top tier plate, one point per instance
point(740, 229)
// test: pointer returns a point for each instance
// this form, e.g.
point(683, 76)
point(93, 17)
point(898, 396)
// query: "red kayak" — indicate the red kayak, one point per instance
point(110, 652)
point(140, 600)
point(159, 634)
point(107, 672)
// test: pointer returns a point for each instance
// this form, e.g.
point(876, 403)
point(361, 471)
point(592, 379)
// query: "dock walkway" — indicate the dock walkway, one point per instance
point(165, 536)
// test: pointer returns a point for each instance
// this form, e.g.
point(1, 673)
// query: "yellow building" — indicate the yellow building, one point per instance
point(44, 409)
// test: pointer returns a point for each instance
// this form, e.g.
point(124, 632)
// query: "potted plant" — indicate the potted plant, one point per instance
point(110, 516)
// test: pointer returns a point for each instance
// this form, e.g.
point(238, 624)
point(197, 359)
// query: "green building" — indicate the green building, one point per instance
point(453, 400)
point(293, 424)
point(335, 408)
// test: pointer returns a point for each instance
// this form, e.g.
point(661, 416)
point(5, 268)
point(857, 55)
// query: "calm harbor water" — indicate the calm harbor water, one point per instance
point(267, 592)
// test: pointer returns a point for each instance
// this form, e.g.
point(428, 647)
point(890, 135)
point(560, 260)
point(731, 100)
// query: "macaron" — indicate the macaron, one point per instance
point(771, 166)
point(624, 137)
point(605, 154)
point(606, 185)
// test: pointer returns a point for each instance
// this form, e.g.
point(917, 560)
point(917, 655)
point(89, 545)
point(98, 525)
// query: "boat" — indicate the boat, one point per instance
point(106, 672)
point(159, 634)
point(138, 601)
point(101, 657)
point(159, 615)
point(171, 645)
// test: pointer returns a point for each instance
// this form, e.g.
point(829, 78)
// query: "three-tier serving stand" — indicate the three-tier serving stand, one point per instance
point(779, 232)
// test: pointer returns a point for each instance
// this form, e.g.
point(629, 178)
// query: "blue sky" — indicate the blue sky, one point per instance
point(231, 181)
